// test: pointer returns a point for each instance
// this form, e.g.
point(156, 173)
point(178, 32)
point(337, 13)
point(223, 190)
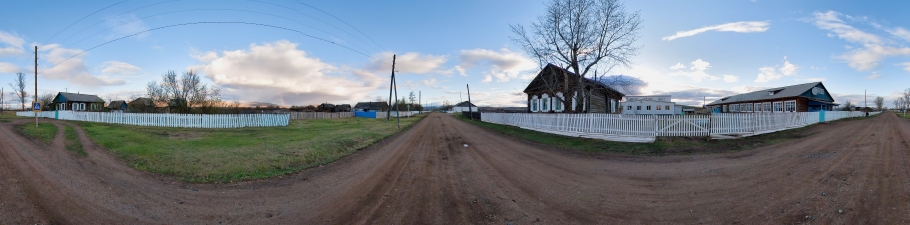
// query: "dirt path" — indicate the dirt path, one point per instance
point(445, 171)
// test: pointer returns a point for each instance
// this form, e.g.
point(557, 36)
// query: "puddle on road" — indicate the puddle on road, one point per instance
point(465, 145)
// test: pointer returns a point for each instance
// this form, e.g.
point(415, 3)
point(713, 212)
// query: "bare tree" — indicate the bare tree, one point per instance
point(879, 103)
point(847, 105)
point(183, 93)
point(18, 86)
point(1, 100)
point(582, 36)
point(46, 100)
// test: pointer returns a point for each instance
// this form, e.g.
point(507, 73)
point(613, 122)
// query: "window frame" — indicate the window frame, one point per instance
point(535, 104)
point(725, 109)
point(778, 107)
point(766, 107)
point(557, 102)
point(545, 103)
point(788, 104)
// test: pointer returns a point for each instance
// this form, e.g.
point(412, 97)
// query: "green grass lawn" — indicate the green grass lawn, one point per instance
point(6, 118)
point(72, 141)
point(224, 155)
point(45, 132)
point(661, 146)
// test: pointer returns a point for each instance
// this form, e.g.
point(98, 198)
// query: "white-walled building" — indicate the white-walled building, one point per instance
point(464, 107)
point(650, 105)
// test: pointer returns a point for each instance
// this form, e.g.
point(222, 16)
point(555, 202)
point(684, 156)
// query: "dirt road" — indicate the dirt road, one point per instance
point(445, 171)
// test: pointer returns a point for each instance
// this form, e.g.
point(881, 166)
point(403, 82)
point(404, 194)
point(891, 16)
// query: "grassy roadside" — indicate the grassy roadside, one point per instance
point(225, 155)
point(72, 141)
point(662, 146)
point(45, 132)
point(6, 118)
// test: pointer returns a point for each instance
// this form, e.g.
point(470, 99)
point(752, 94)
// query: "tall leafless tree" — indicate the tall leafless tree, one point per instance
point(582, 36)
point(46, 101)
point(1, 100)
point(879, 103)
point(184, 93)
point(18, 86)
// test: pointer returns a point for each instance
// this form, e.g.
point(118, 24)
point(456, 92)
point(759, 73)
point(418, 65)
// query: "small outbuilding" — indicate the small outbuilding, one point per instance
point(141, 105)
point(464, 107)
point(78, 102)
point(117, 106)
point(343, 108)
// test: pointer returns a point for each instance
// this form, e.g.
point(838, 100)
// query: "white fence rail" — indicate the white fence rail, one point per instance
point(171, 120)
point(319, 115)
point(645, 128)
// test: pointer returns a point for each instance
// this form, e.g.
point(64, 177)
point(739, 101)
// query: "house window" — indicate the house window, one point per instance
point(637, 107)
point(658, 107)
point(534, 103)
point(725, 109)
point(629, 108)
point(790, 106)
point(778, 106)
point(557, 104)
point(757, 107)
point(734, 108)
point(748, 107)
point(766, 107)
point(82, 106)
point(666, 107)
point(545, 103)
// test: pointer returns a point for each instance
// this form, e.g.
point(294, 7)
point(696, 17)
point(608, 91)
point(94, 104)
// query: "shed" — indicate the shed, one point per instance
point(464, 107)
point(117, 106)
point(144, 105)
point(371, 107)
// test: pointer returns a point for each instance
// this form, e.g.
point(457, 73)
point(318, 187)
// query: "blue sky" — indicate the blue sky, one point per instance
point(309, 52)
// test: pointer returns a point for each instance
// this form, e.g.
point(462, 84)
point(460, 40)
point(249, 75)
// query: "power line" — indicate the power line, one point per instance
point(317, 19)
point(133, 10)
point(90, 14)
point(339, 19)
point(217, 22)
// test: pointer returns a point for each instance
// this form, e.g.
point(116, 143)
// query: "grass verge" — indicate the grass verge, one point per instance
point(45, 132)
point(225, 155)
point(72, 141)
point(661, 146)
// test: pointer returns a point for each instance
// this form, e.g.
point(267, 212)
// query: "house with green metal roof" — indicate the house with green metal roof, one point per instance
point(808, 97)
point(78, 102)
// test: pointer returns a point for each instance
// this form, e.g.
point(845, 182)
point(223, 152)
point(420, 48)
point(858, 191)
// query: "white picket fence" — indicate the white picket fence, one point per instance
point(319, 115)
point(645, 128)
point(170, 120)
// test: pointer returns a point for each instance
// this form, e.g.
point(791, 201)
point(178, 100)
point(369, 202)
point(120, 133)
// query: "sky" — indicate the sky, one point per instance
point(310, 52)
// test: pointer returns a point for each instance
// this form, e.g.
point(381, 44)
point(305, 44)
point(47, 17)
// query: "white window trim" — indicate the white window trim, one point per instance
point(556, 102)
point(756, 107)
point(775, 108)
point(545, 99)
point(535, 102)
point(725, 109)
point(770, 108)
point(794, 105)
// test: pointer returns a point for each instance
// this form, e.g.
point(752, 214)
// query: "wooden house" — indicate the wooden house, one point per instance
point(555, 89)
point(141, 105)
point(78, 102)
point(343, 108)
point(117, 106)
point(808, 97)
point(371, 107)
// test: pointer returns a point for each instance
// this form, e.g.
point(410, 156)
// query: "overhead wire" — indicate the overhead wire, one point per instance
point(86, 16)
point(345, 22)
point(210, 22)
point(116, 16)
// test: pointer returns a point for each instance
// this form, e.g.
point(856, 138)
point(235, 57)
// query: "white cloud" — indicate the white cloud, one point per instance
point(901, 33)
point(6, 67)
point(730, 78)
point(279, 72)
point(788, 68)
point(72, 70)
point(678, 66)
point(13, 44)
point(830, 21)
point(205, 57)
point(119, 68)
point(873, 48)
point(411, 62)
point(906, 66)
point(767, 73)
point(873, 76)
point(696, 71)
point(431, 83)
point(487, 79)
point(739, 27)
point(504, 64)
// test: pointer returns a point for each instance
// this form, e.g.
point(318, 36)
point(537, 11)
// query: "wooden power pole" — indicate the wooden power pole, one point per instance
point(36, 87)
point(391, 85)
point(470, 111)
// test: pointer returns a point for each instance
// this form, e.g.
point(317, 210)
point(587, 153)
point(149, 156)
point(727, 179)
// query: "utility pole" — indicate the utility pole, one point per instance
point(470, 111)
point(391, 85)
point(420, 99)
point(36, 87)
point(395, 84)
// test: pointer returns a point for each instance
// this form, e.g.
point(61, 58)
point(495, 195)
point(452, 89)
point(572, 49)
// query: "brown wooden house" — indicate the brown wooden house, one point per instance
point(554, 89)
point(808, 97)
